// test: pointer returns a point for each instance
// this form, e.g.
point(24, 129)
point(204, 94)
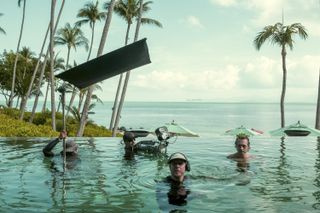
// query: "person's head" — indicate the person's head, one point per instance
point(71, 148)
point(128, 139)
point(178, 164)
point(242, 144)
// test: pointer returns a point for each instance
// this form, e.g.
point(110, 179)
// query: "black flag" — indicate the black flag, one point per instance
point(106, 66)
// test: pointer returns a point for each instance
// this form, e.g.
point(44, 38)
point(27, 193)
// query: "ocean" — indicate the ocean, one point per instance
point(207, 119)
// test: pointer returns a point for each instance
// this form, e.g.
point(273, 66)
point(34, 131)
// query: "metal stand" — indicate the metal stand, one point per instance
point(62, 90)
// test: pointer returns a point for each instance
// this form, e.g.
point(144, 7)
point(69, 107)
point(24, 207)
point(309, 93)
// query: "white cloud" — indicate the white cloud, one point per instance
point(194, 22)
point(261, 72)
point(225, 3)
point(195, 80)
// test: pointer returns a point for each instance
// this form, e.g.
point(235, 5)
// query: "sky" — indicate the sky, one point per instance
point(204, 52)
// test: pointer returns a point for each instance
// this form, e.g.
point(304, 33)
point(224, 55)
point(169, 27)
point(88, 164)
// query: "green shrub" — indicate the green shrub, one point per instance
point(11, 126)
point(15, 128)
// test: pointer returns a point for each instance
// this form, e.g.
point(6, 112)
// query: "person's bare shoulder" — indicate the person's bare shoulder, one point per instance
point(232, 156)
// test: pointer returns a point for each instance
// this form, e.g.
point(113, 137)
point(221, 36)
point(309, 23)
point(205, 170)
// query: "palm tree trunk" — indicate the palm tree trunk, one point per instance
point(39, 87)
point(25, 100)
point(115, 103)
point(126, 81)
point(42, 73)
point(100, 50)
point(91, 43)
point(318, 106)
point(53, 107)
point(74, 93)
point(81, 97)
point(18, 99)
point(284, 85)
point(45, 98)
point(17, 56)
point(59, 103)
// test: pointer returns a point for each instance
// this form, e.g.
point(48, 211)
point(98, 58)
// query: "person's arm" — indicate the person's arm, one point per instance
point(47, 150)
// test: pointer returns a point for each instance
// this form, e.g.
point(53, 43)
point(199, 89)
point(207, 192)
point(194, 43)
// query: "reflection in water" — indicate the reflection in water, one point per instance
point(172, 196)
point(281, 186)
point(316, 194)
point(242, 165)
point(81, 179)
point(283, 176)
point(178, 193)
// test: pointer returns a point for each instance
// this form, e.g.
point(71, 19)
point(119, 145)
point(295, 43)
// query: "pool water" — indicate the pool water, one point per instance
point(283, 176)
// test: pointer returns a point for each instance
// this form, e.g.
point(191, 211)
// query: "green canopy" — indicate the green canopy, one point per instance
point(106, 66)
point(243, 131)
point(297, 129)
point(176, 129)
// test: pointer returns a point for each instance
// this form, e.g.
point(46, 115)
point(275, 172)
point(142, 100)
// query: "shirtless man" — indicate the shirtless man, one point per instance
point(242, 145)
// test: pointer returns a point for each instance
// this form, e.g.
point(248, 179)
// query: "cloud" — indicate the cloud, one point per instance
point(224, 3)
point(262, 72)
point(165, 80)
point(194, 22)
point(266, 73)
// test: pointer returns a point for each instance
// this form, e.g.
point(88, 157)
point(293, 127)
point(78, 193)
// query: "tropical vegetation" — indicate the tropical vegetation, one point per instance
point(11, 126)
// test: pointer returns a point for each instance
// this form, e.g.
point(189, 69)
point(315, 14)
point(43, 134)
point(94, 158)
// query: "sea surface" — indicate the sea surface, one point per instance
point(283, 175)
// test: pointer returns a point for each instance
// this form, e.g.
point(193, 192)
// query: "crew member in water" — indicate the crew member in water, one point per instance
point(129, 145)
point(178, 164)
point(242, 145)
point(71, 146)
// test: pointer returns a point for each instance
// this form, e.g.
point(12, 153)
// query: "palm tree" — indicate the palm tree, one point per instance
point(72, 37)
point(27, 63)
point(90, 14)
point(129, 10)
point(51, 51)
point(281, 35)
point(58, 66)
point(24, 102)
point(100, 50)
point(1, 29)
point(18, 46)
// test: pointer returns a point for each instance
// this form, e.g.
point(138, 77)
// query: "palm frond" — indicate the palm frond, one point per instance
point(150, 21)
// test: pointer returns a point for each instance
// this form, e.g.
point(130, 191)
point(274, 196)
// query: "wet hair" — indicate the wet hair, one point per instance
point(242, 137)
point(128, 136)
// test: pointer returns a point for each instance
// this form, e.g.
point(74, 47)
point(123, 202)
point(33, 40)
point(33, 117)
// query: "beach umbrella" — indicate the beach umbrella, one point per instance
point(243, 131)
point(297, 129)
point(178, 130)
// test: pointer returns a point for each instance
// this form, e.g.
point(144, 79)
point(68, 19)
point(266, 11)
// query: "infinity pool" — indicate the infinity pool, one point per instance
point(284, 176)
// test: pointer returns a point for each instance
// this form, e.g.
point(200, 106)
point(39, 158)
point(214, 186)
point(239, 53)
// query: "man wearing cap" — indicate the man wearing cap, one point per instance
point(178, 164)
point(71, 146)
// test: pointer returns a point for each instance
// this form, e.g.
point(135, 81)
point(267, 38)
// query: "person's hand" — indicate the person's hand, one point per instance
point(63, 135)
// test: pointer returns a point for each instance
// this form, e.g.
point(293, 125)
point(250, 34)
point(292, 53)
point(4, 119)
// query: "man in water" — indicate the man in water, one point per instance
point(242, 145)
point(147, 146)
point(129, 143)
point(178, 164)
point(71, 146)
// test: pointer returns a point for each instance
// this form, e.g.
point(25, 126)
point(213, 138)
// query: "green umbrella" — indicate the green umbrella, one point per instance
point(178, 130)
point(243, 131)
point(296, 129)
